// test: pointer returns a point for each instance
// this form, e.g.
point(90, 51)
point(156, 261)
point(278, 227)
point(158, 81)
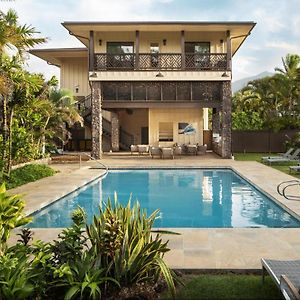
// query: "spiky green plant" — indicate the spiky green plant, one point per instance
point(126, 247)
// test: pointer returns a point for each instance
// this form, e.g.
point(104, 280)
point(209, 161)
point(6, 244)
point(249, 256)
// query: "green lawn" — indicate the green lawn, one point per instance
point(283, 167)
point(27, 174)
point(231, 287)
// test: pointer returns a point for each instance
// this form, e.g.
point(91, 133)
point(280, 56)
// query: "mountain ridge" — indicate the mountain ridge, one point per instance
point(241, 83)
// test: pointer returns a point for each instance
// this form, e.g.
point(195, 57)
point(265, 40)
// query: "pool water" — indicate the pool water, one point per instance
point(191, 198)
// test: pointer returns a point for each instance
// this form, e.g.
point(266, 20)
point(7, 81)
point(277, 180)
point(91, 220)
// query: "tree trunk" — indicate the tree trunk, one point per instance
point(5, 136)
point(9, 156)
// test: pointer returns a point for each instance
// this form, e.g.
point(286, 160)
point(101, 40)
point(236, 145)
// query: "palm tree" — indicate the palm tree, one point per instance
point(18, 37)
point(66, 112)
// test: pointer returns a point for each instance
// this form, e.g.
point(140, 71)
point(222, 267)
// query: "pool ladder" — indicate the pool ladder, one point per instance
point(283, 187)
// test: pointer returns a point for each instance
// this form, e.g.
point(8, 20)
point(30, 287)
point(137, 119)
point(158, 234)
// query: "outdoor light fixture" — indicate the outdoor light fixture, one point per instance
point(225, 75)
point(159, 74)
point(100, 42)
point(76, 89)
point(93, 74)
point(164, 42)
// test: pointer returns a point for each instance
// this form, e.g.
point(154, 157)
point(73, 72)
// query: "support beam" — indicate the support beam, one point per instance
point(96, 120)
point(228, 46)
point(182, 50)
point(137, 50)
point(91, 51)
point(115, 131)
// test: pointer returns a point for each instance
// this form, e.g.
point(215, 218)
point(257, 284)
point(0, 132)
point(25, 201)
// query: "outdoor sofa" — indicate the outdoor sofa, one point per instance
point(286, 275)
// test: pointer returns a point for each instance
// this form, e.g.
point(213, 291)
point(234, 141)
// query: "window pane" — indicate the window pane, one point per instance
point(124, 91)
point(139, 91)
point(165, 131)
point(109, 91)
point(154, 91)
point(119, 47)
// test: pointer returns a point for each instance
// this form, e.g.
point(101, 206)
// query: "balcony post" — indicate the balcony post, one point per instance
point(91, 51)
point(228, 41)
point(182, 50)
point(137, 49)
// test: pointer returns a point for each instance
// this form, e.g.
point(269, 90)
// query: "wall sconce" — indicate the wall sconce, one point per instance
point(159, 74)
point(93, 74)
point(76, 89)
point(221, 41)
point(225, 75)
point(164, 42)
point(100, 42)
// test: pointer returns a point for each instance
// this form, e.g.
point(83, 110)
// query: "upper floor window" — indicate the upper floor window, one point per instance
point(120, 47)
point(197, 55)
point(197, 47)
point(154, 50)
point(120, 55)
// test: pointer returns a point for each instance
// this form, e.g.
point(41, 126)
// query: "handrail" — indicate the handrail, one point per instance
point(96, 160)
point(282, 189)
point(89, 156)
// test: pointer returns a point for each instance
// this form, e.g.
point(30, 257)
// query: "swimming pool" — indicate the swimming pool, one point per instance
point(187, 198)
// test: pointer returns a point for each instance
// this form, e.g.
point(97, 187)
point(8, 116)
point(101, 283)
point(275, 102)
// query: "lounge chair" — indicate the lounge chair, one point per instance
point(134, 148)
point(286, 275)
point(286, 154)
point(165, 152)
point(155, 151)
point(293, 157)
point(143, 149)
point(294, 168)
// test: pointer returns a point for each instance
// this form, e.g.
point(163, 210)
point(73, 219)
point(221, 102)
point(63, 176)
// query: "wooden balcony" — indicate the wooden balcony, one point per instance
point(161, 61)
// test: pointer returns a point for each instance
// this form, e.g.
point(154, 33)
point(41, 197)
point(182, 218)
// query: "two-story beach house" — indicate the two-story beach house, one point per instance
point(151, 82)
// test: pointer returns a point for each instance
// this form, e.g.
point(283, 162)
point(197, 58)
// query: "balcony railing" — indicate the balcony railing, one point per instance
point(161, 61)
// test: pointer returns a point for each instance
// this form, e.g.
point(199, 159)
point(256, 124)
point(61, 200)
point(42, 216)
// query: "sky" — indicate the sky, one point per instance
point(276, 34)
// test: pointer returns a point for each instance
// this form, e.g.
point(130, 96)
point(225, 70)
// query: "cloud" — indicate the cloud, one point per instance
point(288, 47)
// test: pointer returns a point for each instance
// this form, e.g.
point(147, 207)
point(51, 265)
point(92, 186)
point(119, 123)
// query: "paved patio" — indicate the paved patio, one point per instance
point(224, 248)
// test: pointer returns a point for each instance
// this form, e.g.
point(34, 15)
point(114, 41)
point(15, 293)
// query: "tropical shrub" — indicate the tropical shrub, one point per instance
point(124, 243)
point(118, 256)
point(28, 173)
point(11, 216)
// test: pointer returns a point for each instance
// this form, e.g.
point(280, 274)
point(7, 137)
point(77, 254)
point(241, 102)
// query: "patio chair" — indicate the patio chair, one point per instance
point(293, 157)
point(165, 152)
point(201, 150)
point(192, 149)
point(143, 149)
point(155, 151)
point(286, 275)
point(134, 148)
point(177, 150)
point(287, 154)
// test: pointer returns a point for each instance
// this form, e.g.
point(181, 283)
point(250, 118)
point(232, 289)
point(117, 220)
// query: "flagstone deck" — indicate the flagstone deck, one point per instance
point(214, 248)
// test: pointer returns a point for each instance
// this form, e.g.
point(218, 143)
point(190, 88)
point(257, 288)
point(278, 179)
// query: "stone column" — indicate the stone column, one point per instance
point(216, 128)
point(115, 131)
point(226, 120)
point(96, 120)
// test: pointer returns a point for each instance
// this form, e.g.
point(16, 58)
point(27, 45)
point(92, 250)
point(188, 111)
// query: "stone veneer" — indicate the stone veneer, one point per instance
point(221, 122)
point(96, 120)
point(115, 131)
